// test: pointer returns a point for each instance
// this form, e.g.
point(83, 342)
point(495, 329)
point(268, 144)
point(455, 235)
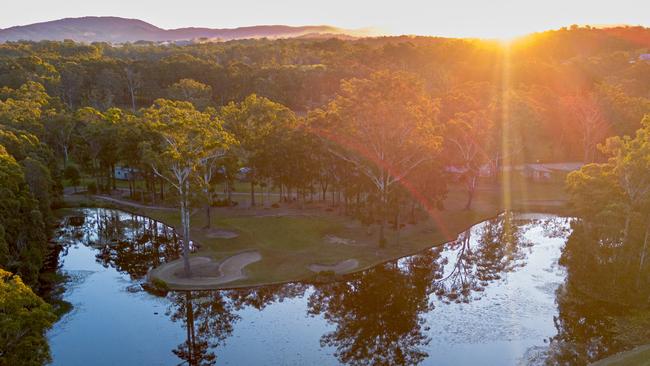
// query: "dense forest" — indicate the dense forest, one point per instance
point(296, 114)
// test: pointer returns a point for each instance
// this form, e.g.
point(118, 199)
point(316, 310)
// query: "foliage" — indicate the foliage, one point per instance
point(25, 318)
point(186, 139)
point(21, 222)
point(608, 249)
point(383, 140)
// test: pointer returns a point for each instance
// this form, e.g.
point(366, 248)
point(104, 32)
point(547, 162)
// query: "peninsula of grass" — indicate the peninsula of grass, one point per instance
point(291, 238)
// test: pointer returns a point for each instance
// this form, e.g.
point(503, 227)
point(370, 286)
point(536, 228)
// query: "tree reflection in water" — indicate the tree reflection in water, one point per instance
point(260, 297)
point(379, 314)
point(208, 318)
point(149, 245)
point(470, 266)
point(585, 329)
point(601, 286)
point(127, 242)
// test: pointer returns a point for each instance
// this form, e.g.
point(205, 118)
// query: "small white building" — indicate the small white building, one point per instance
point(548, 171)
point(124, 173)
point(484, 170)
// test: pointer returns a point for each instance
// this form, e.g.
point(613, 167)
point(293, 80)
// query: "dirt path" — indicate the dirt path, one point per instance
point(206, 273)
point(133, 204)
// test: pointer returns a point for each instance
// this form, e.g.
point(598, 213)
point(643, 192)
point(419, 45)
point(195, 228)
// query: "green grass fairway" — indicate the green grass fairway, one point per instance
point(290, 238)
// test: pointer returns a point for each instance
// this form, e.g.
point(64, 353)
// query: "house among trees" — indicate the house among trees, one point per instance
point(124, 173)
point(485, 170)
point(538, 172)
point(548, 172)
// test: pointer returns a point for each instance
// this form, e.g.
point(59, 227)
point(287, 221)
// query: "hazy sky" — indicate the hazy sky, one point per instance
point(476, 18)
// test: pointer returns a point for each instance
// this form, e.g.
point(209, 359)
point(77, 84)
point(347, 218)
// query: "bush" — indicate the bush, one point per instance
point(156, 287)
point(159, 284)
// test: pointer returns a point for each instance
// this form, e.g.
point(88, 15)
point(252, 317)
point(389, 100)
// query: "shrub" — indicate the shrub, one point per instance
point(159, 284)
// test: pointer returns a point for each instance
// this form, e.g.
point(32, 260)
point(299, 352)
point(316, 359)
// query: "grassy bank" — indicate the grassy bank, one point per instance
point(291, 238)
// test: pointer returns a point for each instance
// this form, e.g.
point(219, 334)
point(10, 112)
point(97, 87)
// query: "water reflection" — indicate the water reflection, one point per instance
point(378, 315)
point(470, 265)
point(584, 328)
point(390, 314)
point(127, 242)
point(603, 283)
point(208, 318)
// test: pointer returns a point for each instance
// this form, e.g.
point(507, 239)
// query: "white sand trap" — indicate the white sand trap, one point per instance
point(338, 268)
point(221, 234)
point(206, 273)
point(332, 239)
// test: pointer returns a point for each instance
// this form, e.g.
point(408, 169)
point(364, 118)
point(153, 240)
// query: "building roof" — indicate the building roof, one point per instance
point(537, 168)
point(565, 167)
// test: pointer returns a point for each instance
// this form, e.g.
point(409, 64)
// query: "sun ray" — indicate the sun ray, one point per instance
point(506, 165)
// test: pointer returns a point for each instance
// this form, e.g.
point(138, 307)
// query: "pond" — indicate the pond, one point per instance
point(487, 298)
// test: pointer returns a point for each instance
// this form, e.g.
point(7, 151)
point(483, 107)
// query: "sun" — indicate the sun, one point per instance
point(506, 35)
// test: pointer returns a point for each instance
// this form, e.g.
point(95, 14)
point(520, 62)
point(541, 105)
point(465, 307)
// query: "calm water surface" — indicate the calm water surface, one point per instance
point(487, 298)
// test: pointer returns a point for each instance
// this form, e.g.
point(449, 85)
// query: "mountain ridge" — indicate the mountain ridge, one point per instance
point(122, 30)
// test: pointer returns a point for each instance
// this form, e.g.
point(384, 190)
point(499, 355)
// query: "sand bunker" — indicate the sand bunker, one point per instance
point(206, 273)
point(332, 239)
point(221, 234)
point(338, 268)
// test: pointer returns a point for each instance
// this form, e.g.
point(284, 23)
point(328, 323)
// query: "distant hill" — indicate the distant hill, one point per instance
point(121, 30)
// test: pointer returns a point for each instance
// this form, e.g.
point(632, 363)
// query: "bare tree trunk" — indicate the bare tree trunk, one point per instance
point(252, 193)
point(190, 328)
point(397, 222)
point(324, 190)
point(185, 219)
point(644, 252)
point(626, 227)
point(228, 191)
point(65, 156)
point(113, 176)
point(262, 195)
point(153, 189)
point(144, 184)
point(132, 99)
point(471, 187)
point(382, 217)
point(208, 205)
